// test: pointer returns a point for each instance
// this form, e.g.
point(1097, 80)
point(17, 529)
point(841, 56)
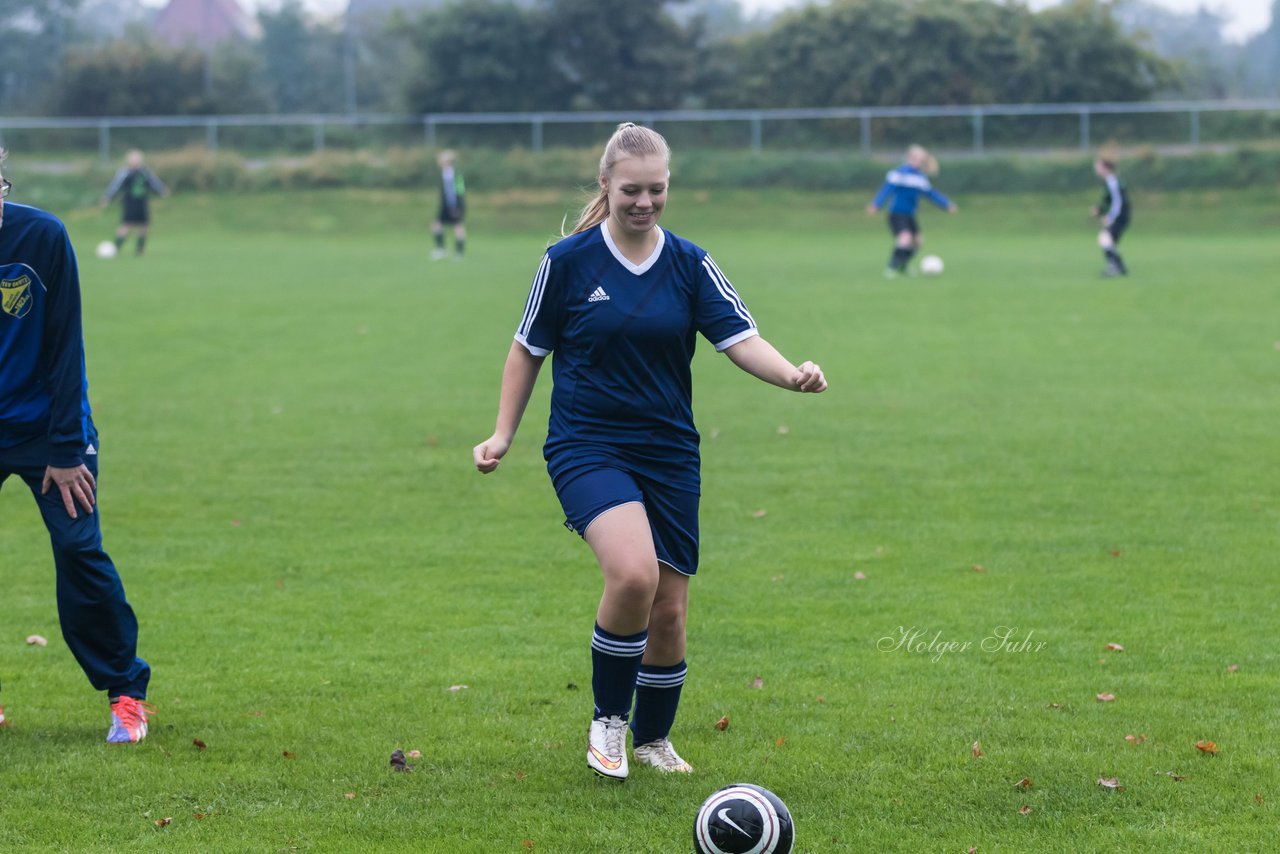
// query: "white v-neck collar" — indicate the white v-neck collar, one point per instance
point(636, 269)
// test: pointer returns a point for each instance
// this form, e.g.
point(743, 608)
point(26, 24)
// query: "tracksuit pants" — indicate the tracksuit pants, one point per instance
point(97, 622)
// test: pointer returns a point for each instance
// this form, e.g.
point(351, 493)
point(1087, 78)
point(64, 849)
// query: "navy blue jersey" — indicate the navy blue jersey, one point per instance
point(623, 336)
point(43, 390)
point(906, 184)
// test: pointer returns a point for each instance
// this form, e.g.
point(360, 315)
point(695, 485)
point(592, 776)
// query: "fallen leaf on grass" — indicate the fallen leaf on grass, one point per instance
point(1113, 647)
point(1053, 705)
point(288, 754)
point(758, 513)
point(528, 844)
point(977, 567)
point(973, 850)
point(1106, 698)
point(821, 699)
point(351, 796)
point(1178, 778)
point(1208, 747)
point(1136, 739)
point(235, 523)
point(977, 749)
point(520, 775)
point(723, 723)
point(757, 683)
point(456, 688)
point(782, 739)
point(1111, 783)
point(164, 822)
point(415, 754)
point(778, 577)
point(860, 576)
point(1024, 810)
point(36, 640)
point(200, 745)
point(1232, 668)
point(783, 429)
point(1116, 553)
point(1024, 783)
point(1258, 798)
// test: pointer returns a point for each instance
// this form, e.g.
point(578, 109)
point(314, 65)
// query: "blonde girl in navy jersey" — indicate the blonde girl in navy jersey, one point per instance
point(620, 302)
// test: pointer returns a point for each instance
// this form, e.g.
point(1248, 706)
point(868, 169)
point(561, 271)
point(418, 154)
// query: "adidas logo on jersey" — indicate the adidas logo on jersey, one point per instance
point(598, 295)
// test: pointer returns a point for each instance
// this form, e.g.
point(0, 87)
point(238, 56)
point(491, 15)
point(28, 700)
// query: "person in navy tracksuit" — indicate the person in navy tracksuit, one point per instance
point(904, 185)
point(621, 303)
point(48, 441)
point(1113, 212)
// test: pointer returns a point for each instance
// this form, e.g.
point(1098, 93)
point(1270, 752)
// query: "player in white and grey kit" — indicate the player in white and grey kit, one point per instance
point(1113, 211)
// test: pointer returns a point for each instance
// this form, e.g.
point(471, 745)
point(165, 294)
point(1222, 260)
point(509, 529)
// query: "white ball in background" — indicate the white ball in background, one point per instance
point(105, 249)
point(931, 265)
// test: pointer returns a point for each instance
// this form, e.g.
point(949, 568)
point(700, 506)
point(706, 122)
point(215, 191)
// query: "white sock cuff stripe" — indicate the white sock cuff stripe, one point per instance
point(661, 680)
point(625, 649)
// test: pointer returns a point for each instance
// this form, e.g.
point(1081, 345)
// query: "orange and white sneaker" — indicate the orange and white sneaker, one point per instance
point(661, 755)
point(607, 747)
point(128, 720)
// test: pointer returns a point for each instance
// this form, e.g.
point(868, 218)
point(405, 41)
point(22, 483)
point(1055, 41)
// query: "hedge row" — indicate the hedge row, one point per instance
point(197, 170)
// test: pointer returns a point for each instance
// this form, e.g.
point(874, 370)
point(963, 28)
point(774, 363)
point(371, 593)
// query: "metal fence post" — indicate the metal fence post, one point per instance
point(104, 142)
point(757, 133)
point(211, 134)
point(536, 129)
point(1084, 130)
point(977, 131)
point(317, 135)
point(1195, 128)
point(865, 122)
point(429, 131)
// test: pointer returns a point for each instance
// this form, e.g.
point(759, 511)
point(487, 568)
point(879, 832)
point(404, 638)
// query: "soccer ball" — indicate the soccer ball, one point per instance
point(743, 819)
point(105, 249)
point(931, 265)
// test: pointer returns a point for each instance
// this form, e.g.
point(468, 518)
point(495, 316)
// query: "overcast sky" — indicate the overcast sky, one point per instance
point(1244, 17)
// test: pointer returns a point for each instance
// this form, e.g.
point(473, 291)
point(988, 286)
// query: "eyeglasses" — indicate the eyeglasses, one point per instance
point(5, 186)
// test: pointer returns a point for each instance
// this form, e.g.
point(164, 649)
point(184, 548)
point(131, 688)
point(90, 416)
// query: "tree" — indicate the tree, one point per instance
point(484, 56)
point(136, 77)
point(620, 55)
point(34, 34)
point(300, 71)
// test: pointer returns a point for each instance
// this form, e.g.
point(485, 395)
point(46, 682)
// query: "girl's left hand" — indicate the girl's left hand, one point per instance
point(808, 378)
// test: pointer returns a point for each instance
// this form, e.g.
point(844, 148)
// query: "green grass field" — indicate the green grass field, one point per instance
point(288, 392)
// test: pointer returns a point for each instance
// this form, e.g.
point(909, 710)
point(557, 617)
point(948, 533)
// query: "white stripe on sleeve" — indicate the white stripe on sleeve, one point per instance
point(531, 306)
point(726, 290)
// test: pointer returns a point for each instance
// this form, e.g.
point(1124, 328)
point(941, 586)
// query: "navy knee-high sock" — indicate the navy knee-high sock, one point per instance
point(615, 661)
point(657, 696)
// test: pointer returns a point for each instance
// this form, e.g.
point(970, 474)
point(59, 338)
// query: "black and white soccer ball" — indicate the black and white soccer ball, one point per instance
point(743, 819)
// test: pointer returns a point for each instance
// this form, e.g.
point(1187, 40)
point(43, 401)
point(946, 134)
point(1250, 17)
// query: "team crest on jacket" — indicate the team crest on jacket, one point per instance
point(15, 296)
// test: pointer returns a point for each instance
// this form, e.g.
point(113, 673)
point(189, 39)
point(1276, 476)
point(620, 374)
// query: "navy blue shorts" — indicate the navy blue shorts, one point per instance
point(1116, 229)
point(673, 513)
point(899, 223)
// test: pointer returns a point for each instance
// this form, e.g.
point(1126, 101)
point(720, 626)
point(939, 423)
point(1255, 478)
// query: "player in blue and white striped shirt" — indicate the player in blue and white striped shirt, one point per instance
point(620, 302)
point(904, 185)
point(1113, 211)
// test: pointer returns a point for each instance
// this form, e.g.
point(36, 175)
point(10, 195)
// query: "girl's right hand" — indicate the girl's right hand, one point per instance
point(489, 453)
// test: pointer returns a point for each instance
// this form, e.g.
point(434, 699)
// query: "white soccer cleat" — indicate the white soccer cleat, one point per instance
point(438, 254)
point(661, 755)
point(607, 747)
